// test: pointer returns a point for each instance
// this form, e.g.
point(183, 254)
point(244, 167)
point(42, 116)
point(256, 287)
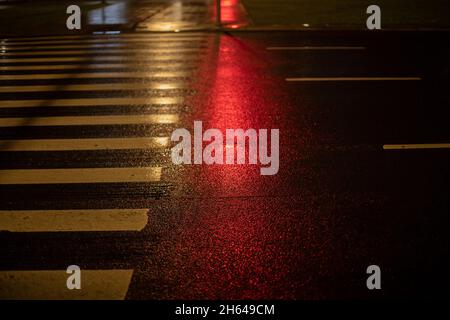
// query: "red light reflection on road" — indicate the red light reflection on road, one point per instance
point(235, 103)
point(225, 242)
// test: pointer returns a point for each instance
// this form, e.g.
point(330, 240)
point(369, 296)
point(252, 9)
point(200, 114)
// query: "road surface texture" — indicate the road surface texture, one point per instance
point(86, 176)
point(348, 14)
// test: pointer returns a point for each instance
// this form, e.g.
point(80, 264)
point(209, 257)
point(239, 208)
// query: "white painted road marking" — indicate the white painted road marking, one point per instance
point(89, 120)
point(321, 79)
point(88, 220)
point(96, 87)
point(176, 56)
point(51, 285)
point(84, 144)
point(99, 51)
point(312, 48)
point(90, 102)
point(416, 146)
point(95, 38)
point(96, 46)
point(85, 175)
point(97, 75)
point(130, 64)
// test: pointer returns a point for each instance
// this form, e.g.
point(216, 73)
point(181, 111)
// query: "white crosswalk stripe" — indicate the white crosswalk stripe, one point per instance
point(52, 285)
point(85, 175)
point(73, 220)
point(97, 87)
point(99, 51)
point(99, 38)
point(84, 144)
point(129, 64)
point(96, 102)
point(93, 59)
point(107, 45)
point(97, 75)
point(89, 120)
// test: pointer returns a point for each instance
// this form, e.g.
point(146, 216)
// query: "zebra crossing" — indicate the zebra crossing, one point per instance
point(85, 123)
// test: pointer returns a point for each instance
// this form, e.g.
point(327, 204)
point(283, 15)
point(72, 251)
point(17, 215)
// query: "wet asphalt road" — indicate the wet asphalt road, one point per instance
point(338, 204)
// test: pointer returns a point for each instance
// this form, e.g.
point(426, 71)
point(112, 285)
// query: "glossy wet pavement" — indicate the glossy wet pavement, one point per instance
point(86, 176)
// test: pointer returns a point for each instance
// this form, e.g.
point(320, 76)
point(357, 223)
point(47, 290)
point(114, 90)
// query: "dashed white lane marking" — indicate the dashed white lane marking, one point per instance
point(325, 79)
point(84, 144)
point(90, 220)
point(51, 285)
point(92, 102)
point(85, 175)
point(416, 146)
point(312, 48)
